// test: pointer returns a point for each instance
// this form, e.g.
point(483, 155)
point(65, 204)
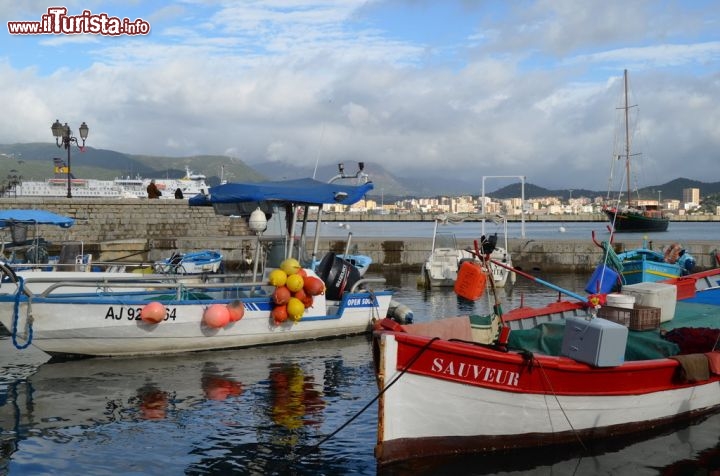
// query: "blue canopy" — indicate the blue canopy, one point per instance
point(300, 191)
point(40, 217)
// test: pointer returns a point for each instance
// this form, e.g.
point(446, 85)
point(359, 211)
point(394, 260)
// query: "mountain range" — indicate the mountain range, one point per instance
point(34, 161)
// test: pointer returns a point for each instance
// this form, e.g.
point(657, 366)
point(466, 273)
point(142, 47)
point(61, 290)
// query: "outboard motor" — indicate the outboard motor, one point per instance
point(337, 274)
point(488, 243)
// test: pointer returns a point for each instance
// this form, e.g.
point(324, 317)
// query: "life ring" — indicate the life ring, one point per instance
point(672, 253)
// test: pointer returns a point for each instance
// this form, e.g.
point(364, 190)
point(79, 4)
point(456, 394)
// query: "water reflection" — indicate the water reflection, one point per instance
point(263, 409)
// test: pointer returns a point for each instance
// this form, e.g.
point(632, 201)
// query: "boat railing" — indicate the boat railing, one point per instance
point(180, 284)
point(144, 283)
point(362, 282)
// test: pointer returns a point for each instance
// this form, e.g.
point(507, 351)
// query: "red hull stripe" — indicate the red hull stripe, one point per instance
point(511, 372)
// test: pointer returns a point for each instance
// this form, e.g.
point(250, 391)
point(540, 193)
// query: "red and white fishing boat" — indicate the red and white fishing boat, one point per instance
point(446, 389)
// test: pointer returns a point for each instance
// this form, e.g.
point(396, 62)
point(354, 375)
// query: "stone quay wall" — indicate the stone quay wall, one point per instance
point(142, 230)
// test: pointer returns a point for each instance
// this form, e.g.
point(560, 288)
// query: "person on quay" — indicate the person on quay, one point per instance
point(152, 190)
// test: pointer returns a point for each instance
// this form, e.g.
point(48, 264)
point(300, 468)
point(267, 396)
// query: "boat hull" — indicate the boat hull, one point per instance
point(495, 401)
point(627, 222)
point(82, 325)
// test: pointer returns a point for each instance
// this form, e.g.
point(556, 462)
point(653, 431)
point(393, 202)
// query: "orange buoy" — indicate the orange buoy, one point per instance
point(279, 314)
point(236, 310)
point(471, 280)
point(219, 388)
point(153, 312)
point(314, 286)
point(302, 272)
point(216, 316)
point(295, 282)
point(295, 309)
point(281, 295)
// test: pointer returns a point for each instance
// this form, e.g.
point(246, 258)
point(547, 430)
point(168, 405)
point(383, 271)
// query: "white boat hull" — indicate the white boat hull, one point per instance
point(109, 324)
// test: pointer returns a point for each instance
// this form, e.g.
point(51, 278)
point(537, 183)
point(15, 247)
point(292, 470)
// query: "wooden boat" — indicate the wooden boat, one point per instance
point(448, 389)
point(638, 265)
point(133, 314)
point(633, 216)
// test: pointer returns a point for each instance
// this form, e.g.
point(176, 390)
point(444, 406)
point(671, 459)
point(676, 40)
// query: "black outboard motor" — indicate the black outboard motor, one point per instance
point(337, 274)
point(488, 243)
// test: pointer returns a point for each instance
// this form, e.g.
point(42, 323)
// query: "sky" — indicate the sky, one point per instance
point(454, 88)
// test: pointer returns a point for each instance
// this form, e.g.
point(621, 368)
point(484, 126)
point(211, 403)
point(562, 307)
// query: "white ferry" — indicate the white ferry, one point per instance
point(121, 187)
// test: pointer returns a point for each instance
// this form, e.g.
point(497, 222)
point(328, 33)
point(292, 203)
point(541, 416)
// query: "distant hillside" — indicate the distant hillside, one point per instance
point(34, 161)
point(669, 190)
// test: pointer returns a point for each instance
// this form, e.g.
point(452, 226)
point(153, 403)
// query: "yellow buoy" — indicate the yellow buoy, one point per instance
point(290, 266)
point(295, 309)
point(277, 277)
point(294, 282)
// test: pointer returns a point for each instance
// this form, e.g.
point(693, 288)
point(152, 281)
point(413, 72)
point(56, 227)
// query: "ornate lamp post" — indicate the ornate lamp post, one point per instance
point(63, 138)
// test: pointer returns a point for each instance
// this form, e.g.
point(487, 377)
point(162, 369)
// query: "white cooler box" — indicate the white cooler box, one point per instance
point(660, 295)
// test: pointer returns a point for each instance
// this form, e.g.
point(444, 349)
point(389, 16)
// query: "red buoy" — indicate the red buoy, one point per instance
point(236, 310)
point(153, 312)
point(216, 316)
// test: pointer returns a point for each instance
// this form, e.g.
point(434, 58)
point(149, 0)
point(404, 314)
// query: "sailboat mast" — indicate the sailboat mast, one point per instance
point(627, 139)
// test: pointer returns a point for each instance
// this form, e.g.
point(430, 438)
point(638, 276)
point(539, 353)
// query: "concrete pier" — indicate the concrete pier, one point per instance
point(143, 230)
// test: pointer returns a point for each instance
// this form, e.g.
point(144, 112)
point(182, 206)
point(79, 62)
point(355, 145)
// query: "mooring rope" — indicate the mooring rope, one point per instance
point(557, 400)
point(16, 315)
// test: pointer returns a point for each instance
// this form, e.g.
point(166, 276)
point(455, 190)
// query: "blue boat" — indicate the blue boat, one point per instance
point(198, 262)
point(638, 265)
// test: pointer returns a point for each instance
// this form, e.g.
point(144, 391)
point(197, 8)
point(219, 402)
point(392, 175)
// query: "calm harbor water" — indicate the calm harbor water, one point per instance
point(272, 410)
point(677, 231)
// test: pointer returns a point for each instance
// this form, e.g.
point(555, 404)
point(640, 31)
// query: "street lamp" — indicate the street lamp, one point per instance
point(63, 138)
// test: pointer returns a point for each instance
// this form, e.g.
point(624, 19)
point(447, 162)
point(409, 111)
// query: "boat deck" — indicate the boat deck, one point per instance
point(700, 311)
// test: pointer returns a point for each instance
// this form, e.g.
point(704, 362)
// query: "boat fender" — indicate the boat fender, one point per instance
point(400, 313)
point(216, 316)
point(153, 313)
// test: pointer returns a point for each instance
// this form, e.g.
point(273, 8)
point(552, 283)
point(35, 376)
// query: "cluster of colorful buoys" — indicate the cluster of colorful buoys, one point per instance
point(294, 291)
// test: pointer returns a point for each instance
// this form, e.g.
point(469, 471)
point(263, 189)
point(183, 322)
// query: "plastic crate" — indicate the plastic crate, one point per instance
point(685, 288)
point(639, 318)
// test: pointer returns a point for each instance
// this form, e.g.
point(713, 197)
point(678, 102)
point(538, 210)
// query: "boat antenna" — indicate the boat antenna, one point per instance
point(322, 135)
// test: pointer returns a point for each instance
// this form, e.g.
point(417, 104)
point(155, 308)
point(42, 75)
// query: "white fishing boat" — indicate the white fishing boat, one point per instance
point(122, 315)
point(443, 263)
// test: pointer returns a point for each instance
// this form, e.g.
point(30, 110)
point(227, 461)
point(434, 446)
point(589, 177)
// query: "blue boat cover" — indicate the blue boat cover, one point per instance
point(40, 217)
point(300, 191)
